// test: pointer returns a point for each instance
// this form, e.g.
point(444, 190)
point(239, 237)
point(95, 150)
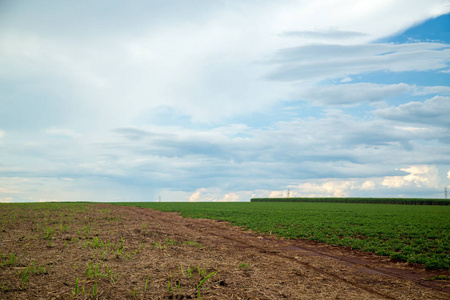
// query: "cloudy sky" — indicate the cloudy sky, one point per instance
point(223, 100)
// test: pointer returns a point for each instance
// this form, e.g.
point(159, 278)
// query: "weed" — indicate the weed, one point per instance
point(244, 265)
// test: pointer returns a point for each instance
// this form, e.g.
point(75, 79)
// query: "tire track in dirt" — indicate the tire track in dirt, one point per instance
point(360, 273)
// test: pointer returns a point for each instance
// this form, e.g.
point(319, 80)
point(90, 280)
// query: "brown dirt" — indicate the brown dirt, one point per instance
point(173, 254)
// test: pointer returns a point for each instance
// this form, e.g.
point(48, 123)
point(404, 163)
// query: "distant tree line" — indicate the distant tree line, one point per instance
point(406, 201)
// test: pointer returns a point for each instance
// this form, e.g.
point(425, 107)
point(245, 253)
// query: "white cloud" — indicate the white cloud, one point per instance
point(6, 199)
point(394, 181)
point(352, 94)
point(368, 185)
point(448, 174)
point(315, 63)
point(334, 188)
point(196, 196)
point(432, 111)
point(419, 176)
point(231, 197)
point(427, 90)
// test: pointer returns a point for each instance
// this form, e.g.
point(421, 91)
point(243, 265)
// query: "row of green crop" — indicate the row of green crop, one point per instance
point(407, 201)
point(416, 234)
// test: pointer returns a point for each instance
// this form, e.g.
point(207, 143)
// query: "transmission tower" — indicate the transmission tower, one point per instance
point(445, 192)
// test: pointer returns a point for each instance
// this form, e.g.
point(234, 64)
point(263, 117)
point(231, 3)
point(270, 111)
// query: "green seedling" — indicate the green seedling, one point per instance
point(192, 243)
point(12, 259)
point(119, 252)
point(93, 271)
point(189, 270)
point(47, 233)
point(24, 277)
point(201, 271)
point(199, 285)
point(146, 283)
point(161, 247)
point(64, 228)
point(76, 291)
point(110, 274)
point(95, 290)
point(171, 242)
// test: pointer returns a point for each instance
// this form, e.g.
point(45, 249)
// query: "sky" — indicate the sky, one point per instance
point(223, 100)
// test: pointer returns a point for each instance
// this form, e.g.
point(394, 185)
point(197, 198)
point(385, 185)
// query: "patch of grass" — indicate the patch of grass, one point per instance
point(192, 243)
point(412, 233)
point(440, 277)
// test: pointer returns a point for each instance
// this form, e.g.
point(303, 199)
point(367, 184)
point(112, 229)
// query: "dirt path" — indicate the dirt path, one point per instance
point(164, 256)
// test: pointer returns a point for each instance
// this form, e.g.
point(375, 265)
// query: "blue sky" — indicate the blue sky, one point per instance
point(221, 101)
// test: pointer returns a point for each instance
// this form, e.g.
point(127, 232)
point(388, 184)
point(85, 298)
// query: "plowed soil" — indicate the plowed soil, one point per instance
point(113, 252)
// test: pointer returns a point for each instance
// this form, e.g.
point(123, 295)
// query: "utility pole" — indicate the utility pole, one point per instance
point(445, 192)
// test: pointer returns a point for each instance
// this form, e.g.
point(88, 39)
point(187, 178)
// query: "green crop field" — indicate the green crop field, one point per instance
point(412, 233)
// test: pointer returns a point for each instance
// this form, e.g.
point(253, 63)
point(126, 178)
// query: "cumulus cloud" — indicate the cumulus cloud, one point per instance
point(432, 111)
point(352, 94)
point(334, 188)
point(313, 63)
point(368, 185)
point(427, 90)
point(331, 34)
point(196, 196)
point(419, 176)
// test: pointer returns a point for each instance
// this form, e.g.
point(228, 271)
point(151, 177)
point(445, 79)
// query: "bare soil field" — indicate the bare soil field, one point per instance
point(104, 251)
